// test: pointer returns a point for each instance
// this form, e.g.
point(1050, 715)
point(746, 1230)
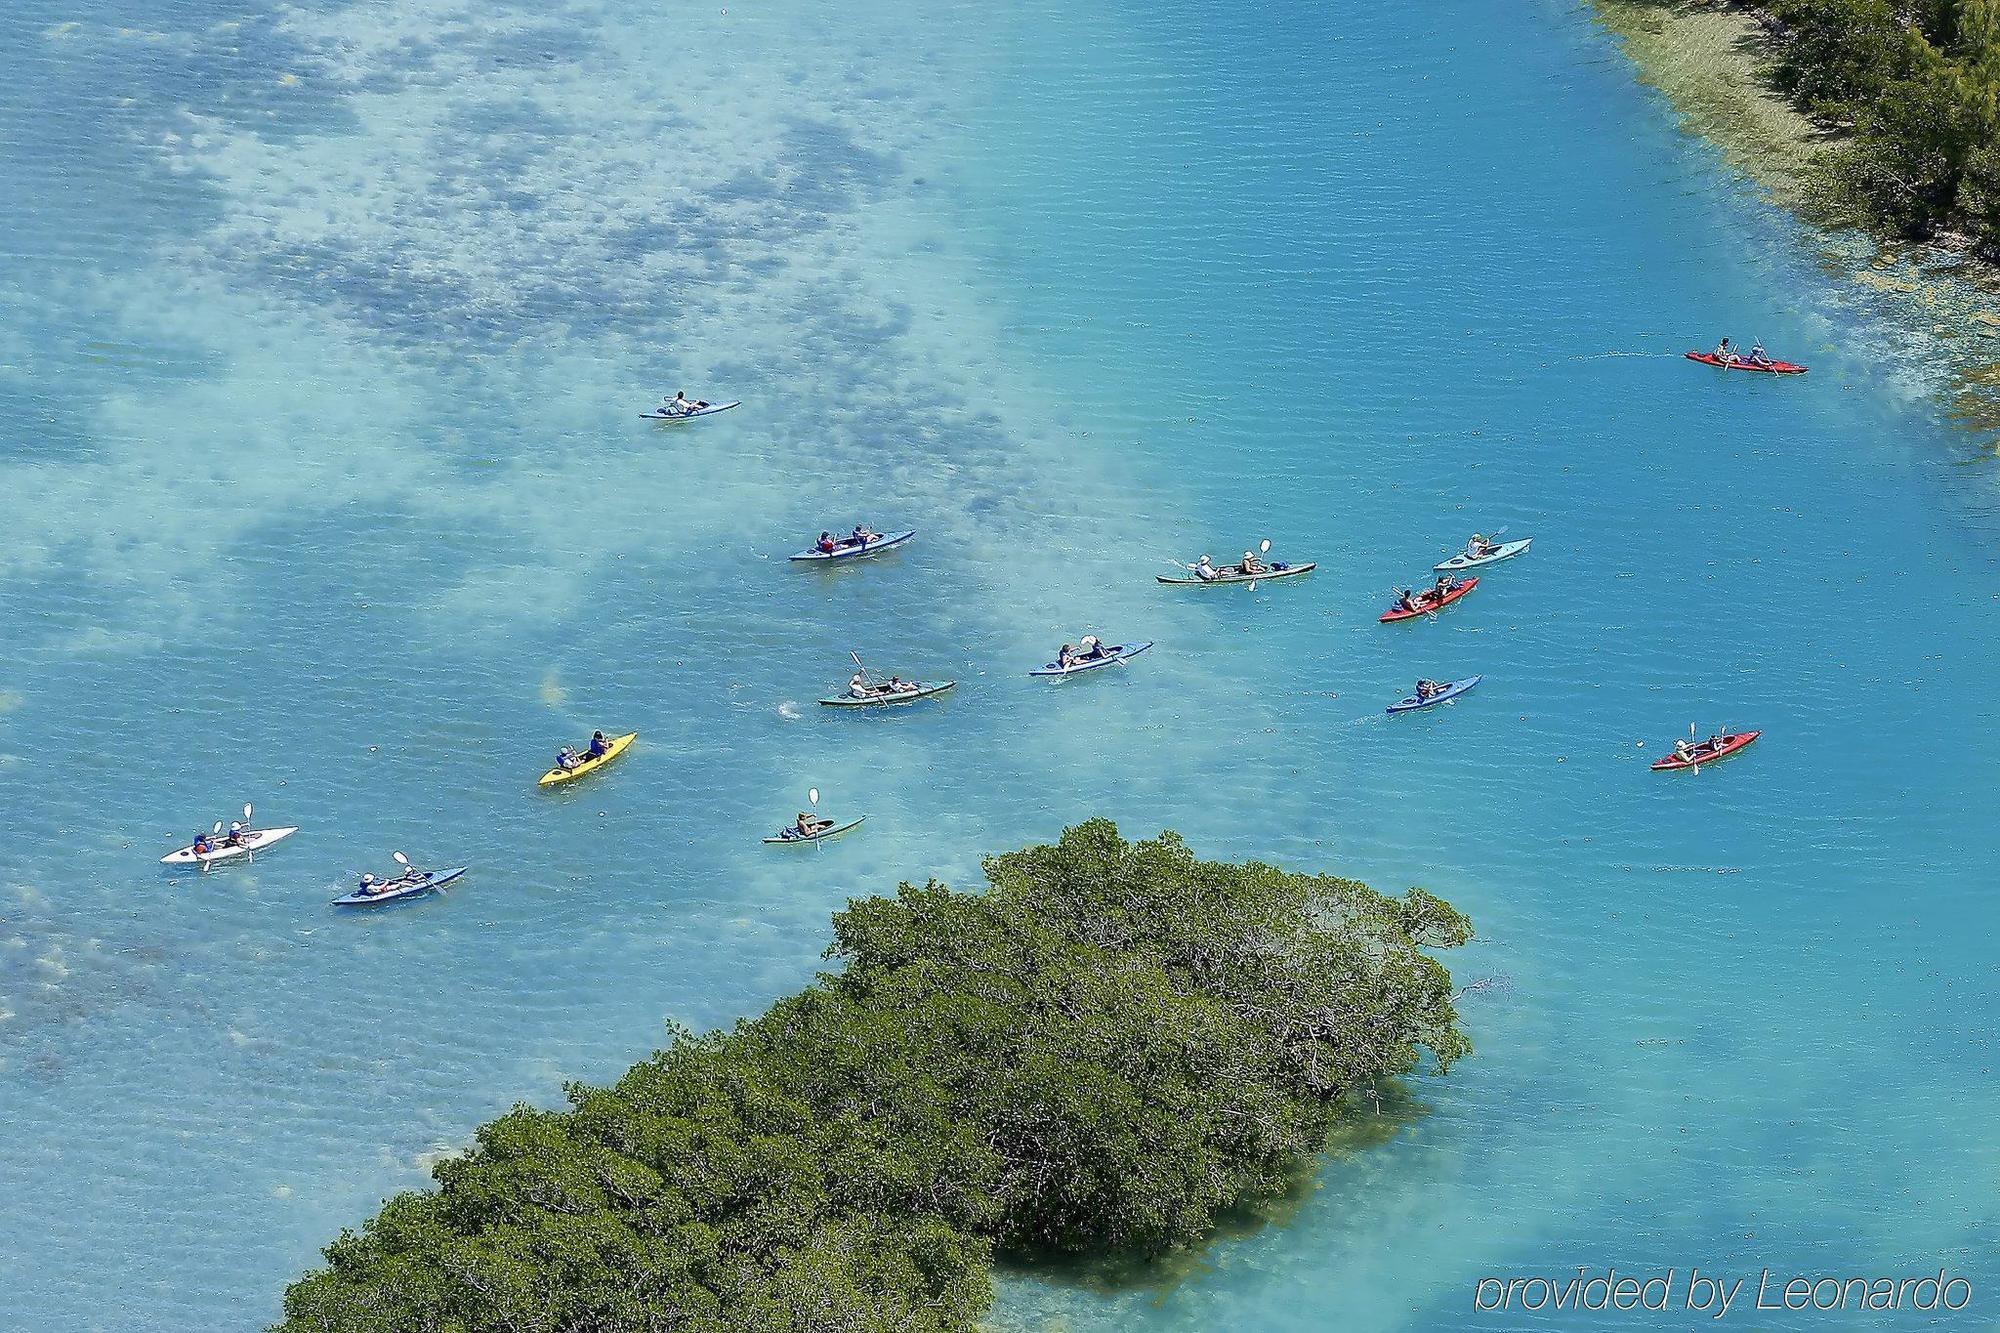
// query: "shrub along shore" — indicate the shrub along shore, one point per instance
point(1098, 1055)
point(1901, 103)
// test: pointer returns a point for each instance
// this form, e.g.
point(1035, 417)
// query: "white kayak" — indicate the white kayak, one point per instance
point(661, 414)
point(254, 840)
point(1504, 551)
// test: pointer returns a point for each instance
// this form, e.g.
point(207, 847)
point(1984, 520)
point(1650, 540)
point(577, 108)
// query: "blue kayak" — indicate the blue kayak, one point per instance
point(400, 889)
point(1112, 656)
point(848, 551)
point(1449, 692)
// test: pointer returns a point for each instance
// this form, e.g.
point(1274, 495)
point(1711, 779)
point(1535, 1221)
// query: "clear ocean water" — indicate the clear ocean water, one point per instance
point(322, 333)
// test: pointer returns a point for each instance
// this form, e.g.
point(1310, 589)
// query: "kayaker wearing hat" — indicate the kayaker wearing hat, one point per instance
point(1205, 570)
point(859, 687)
point(1251, 564)
point(202, 845)
point(599, 747)
point(1478, 548)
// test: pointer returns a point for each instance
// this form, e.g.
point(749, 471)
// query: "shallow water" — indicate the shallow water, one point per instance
point(322, 339)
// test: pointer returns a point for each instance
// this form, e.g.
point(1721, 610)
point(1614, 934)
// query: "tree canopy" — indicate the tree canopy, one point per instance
point(1918, 86)
point(1110, 1045)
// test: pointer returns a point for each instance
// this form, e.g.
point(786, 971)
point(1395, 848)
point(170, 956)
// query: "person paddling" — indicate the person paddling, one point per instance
point(809, 824)
point(1479, 548)
point(1429, 689)
point(203, 845)
point(1205, 570)
point(858, 686)
point(1251, 564)
point(599, 747)
point(1758, 356)
point(1407, 602)
point(862, 535)
point(1725, 353)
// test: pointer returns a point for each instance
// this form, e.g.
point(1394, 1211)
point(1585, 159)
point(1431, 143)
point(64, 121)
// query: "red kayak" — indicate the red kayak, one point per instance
point(1428, 602)
point(1744, 363)
point(1707, 752)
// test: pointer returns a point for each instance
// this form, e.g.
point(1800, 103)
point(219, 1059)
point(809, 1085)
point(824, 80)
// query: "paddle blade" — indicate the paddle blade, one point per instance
point(246, 812)
point(399, 859)
point(1264, 547)
point(812, 796)
point(217, 828)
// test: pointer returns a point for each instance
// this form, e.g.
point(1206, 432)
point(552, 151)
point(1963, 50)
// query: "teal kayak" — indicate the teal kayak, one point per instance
point(1504, 551)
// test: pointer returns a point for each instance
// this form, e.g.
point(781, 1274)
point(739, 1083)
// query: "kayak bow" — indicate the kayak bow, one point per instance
point(557, 776)
point(1504, 551)
point(1428, 602)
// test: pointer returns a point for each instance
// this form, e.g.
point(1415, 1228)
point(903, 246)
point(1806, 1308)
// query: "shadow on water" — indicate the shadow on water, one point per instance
point(1374, 1118)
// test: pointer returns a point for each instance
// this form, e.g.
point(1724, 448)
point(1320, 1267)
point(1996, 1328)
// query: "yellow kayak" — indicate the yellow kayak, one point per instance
point(557, 776)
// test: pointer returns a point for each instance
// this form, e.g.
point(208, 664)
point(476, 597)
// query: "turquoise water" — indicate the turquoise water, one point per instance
point(321, 336)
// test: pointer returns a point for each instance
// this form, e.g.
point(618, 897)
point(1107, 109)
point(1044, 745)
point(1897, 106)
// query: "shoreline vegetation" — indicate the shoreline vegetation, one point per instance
point(1106, 1055)
point(1861, 118)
